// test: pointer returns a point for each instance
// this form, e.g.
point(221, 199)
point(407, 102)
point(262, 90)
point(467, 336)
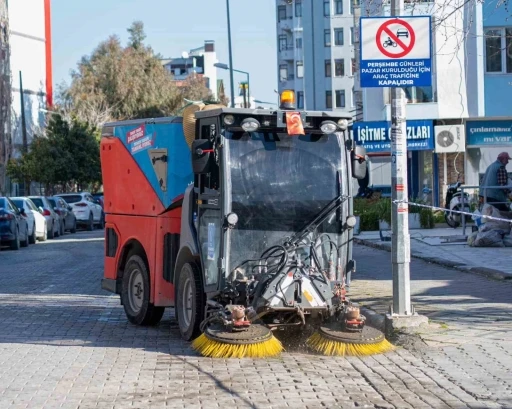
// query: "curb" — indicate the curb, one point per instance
point(482, 271)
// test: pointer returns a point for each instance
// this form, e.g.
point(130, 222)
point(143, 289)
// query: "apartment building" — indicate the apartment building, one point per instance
point(315, 53)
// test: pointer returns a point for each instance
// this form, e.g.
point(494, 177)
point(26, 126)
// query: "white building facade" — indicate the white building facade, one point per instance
point(31, 67)
point(315, 53)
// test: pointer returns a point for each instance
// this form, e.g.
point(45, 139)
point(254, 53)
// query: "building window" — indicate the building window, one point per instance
point(498, 50)
point(300, 100)
point(328, 68)
point(281, 13)
point(418, 95)
point(339, 68)
point(298, 8)
point(298, 43)
point(327, 38)
point(300, 69)
point(338, 6)
point(283, 73)
point(338, 36)
point(283, 42)
point(327, 8)
point(328, 99)
point(353, 66)
point(351, 35)
point(340, 99)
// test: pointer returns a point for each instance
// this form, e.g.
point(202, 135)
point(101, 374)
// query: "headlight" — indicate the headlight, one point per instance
point(351, 221)
point(250, 125)
point(229, 119)
point(328, 127)
point(343, 124)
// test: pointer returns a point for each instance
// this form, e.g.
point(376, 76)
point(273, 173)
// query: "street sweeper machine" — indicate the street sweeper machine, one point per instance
point(242, 221)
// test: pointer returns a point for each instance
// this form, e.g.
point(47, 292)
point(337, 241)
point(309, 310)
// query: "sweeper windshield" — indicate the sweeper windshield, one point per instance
point(278, 183)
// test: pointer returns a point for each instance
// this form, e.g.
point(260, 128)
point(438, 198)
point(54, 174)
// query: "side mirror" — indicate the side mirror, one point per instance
point(55, 209)
point(22, 211)
point(70, 208)
point(359, 166)
point(40, 209)
point(201, 156)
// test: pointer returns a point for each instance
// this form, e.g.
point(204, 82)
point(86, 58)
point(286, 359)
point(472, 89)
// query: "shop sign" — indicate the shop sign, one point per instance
point(489, 133)
point(376, 136)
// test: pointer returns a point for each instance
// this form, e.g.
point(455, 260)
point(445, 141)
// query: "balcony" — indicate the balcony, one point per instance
point(287, 52)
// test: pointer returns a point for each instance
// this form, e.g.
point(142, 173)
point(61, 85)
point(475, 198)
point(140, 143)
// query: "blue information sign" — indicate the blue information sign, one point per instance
point(395, 51)
point(376, 136)
point(487, 133)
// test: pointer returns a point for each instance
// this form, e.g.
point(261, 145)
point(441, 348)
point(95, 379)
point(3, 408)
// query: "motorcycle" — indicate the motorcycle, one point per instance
point(455, 202)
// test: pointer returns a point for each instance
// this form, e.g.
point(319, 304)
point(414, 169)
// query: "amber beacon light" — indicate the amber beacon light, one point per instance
point(287, 99)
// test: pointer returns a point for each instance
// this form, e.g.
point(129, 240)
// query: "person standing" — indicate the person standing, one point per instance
point(496, 175)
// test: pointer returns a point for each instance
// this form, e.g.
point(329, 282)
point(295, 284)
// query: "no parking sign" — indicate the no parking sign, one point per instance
point(396, 51)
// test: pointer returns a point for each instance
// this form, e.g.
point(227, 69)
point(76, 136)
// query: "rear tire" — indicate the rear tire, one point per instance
point(24, 243)
point(90, 223)
point(135, 294)
point(33, 238)
point(51, 233)
point(15, 244)
point(189, 298)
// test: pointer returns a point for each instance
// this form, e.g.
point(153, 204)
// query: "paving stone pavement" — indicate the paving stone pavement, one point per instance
point(64, 343)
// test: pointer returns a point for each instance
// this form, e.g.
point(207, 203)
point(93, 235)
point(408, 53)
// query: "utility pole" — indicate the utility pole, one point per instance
point(400, 243)
point(231, 82)
point(23, 117)
point(5, 96)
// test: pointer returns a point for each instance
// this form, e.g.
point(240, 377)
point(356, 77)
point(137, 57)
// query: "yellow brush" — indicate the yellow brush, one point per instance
point(214, 349)
point(332, 347)
point(257, 342)
point(335, 339)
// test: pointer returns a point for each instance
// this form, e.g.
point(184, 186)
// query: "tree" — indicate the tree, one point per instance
point(119, 83)
point(67, 154)
point(137, 35)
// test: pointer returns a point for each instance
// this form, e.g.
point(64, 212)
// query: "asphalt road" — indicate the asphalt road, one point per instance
point(65, 343)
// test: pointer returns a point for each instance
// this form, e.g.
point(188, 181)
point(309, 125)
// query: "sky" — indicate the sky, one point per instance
point(173, 26)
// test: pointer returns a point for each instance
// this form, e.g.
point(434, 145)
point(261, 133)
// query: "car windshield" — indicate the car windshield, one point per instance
point(3, 205)
point(72, 198)
point(38, 202)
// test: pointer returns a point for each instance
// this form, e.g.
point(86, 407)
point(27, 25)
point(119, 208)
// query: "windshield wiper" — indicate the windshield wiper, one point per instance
point(311, 226)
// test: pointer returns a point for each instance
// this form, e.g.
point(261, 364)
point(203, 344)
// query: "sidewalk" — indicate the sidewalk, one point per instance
point(447, 247)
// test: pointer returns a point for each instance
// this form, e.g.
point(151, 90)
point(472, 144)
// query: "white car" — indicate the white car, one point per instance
point(37, 229)
point(87, 211)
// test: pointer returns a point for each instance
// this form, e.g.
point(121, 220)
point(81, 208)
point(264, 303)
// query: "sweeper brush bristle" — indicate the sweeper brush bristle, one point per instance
point(215, 349)
point(332, 347)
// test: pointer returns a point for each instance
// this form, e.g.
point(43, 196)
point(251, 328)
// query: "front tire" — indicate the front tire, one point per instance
point(449, 221)
point(135, 294)
point(189, 301)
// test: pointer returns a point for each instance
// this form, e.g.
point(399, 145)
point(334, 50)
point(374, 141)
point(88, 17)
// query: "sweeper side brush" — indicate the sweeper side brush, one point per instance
point(333, 341)
point(256, 341)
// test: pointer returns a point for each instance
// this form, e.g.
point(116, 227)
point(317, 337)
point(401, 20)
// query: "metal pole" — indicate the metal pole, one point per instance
point(23, 119)
point(248, 93)
point(232, 86)
point(400, 243)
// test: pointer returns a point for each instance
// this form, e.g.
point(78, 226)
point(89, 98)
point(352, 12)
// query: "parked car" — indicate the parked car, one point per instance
point(52, 218)
point(99, 198)
point(86, 210)
point(37, 229)
point(65, 212)
point(13, 225)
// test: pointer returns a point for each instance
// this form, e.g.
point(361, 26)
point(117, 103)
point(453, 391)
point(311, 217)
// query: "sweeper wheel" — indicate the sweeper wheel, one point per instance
point(368, 335)
point(254, 334)
point(220, 342)
point(331, 340)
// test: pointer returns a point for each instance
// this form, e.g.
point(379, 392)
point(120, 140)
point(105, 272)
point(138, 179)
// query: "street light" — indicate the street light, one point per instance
point(226, 67)
point(230, 58)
